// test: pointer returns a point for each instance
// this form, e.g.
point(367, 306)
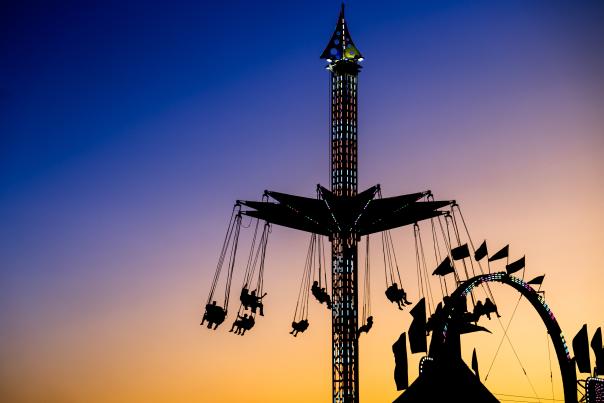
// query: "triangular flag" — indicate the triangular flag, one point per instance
point(444, 268)
point(469, 327)
point(475, 364)
point(481, 252)
point(581, 349)
point(417, 329)
point(515, 266)
point(501, 254)
point(401, 374)
point(537, 280)
point(460, 252)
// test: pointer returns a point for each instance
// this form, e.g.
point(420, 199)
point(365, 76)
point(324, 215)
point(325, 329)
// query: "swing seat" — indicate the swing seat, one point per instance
point(301, 326)
point(247, 323)
point(392, 292)
point(215, 313)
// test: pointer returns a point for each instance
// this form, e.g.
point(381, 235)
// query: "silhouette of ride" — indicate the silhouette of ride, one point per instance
point(214, 314)
point(366, 327)
point(321, 294)
point(398, 295)
point(251, 300)
point(299, 327)
point(242, 324)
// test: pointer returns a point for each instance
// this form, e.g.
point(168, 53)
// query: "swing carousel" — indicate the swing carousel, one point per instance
point(454, 290)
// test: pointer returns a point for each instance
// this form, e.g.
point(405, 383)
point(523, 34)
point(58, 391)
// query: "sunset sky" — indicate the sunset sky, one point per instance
point(128, 129)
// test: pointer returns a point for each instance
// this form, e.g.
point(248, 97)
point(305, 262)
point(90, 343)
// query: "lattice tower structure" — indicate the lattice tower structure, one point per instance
point(344, 183)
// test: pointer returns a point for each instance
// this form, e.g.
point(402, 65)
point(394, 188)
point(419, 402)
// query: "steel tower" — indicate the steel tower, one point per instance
point(343, 58)
point(341, 213)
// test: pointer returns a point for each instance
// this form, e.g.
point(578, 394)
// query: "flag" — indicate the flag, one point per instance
point(581, 349)
point(460, 252)
point(515, 266)
point(501, 254)
point(444, 268)
point(537, 280)
point(475, 364)
point(469, 327)
point(481, 252)
point(417, 329)
point(401, 375)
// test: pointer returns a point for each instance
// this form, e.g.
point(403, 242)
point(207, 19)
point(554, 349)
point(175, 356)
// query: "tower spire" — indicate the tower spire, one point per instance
point(341, 46)
point(343, 57)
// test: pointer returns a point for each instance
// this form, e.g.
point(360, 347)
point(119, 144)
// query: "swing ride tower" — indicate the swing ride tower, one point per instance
point(343, 60)
point(343, 214)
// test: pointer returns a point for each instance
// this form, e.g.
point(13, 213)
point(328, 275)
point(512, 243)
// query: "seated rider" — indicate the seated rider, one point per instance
point(214, 314)
point(478, 312)
point(238, 323)
point(245, 297)
point(320, 294)
point(299, 327)
point(246, 324)
point(366, 327)
point(256, 302)
point(398, 295)
point(489, 308)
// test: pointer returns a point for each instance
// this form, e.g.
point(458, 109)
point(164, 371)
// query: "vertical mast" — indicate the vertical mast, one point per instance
point(343, 58)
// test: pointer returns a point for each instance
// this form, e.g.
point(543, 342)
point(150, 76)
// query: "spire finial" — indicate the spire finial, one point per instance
point(341, 46)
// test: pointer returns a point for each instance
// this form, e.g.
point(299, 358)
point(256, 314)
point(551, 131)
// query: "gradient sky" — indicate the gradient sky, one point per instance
point(128, 129)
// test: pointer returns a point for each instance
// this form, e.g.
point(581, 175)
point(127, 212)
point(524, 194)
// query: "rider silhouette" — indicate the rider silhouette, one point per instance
point(251, 300)
point(489, 308)
point(320, 294)
point(299, 327)
point(398, 295)
point(366, 327)
point(214, 314)
point(242, 324)
point(256, 302)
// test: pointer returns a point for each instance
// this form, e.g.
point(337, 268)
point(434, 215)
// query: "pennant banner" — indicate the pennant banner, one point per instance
point(417, 329)
point(537, 280)
point(444, 268)
point(581, 350)
point(475, 364)
point(401, 373)
point(501, 254)
point(461, 252)
point(481, 252)
point(515, 266)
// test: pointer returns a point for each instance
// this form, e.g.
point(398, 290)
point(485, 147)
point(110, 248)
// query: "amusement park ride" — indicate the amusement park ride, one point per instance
point(344, 216)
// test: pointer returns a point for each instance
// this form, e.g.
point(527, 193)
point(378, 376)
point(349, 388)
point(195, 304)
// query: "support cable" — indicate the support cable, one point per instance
point(502, 338)
point(463, 261)
point(490, 292)
point(447, 239)
point(366, 286)
point(420, 277)
point(222, 255)
point(437, 258)
point(395, 266)
point(301, 311)
point(458, 239)
point(423, 266)
point(257, 262)
point(549, 359)
point(227, 291)
point(505, 336)
point(248, 266)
